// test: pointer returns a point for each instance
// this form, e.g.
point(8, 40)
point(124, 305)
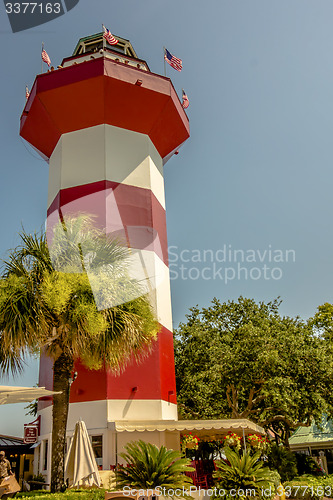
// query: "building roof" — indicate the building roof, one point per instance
point(10, 441)
point(313, 435)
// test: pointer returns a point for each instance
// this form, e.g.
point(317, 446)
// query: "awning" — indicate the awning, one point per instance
point(208, 428)
point(35, 445)
point(12, 394)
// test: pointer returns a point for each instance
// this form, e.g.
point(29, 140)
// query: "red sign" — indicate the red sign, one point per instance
point(30, 434)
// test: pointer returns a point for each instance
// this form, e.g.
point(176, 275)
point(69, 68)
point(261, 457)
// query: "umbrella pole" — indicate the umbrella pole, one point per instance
point(116, 458)
point(244, 442)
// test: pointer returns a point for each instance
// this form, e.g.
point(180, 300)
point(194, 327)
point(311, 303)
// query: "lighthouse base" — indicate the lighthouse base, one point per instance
point(100, 418)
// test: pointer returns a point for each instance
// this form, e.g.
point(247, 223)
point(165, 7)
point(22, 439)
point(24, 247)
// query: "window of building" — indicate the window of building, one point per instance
point(45, 455)
point(97, 446)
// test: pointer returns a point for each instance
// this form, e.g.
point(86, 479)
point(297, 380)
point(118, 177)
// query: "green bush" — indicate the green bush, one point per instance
point(306, 465)
point(93, 494)
point(245, 472)
point(149, 466)
point(39, 478)
point(308, 487)
point(284, 461)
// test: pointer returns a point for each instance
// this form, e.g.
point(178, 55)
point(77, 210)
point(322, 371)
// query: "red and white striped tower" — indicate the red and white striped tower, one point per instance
point(107, 124)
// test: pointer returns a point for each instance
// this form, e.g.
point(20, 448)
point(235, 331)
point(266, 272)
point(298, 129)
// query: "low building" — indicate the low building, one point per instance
point(317, 442)
point(20, 456)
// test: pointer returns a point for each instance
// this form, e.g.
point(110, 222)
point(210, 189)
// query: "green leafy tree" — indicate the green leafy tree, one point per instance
point(322, 322)
point(149, 467)
point(70, 299)
point(241, 359)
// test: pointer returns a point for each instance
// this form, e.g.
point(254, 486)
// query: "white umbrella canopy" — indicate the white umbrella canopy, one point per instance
point(80, 463)
point(11, 394)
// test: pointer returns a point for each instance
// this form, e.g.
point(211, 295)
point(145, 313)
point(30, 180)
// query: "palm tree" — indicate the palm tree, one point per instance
point(71, 299)
point(149, 467)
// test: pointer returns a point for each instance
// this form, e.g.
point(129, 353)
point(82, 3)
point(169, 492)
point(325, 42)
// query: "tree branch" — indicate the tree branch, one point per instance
point(290, 423)
point(233, 405)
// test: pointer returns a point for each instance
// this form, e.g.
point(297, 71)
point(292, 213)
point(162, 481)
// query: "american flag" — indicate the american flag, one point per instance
point(45, 57)
point(27, 93)
point(109, 37)
point(185, 102)
point(174, 62)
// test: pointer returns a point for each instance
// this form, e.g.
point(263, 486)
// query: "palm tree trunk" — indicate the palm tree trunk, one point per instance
point(62, 370)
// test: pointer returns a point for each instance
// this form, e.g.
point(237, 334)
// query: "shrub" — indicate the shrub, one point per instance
point(244, 472)
point(303, 488)
point(306, 465)
point(308, 487)
point(40, 478)
point(149, 466)
point(284, 461)
point(96, 494)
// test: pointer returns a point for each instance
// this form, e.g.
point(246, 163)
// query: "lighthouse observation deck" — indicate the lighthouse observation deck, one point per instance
point(99, 85)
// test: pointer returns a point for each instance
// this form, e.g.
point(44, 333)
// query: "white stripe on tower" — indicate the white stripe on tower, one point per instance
point(105, 152)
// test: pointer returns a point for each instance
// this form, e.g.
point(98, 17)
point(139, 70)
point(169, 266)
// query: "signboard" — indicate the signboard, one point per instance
point(30, 434)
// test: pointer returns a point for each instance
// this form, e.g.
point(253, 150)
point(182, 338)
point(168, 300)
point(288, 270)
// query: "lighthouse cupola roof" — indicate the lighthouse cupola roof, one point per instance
point(94, 43)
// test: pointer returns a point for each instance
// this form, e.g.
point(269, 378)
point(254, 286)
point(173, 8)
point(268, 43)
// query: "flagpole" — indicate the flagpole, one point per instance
point(104, 41)
point(164, 61)
point(42, 52)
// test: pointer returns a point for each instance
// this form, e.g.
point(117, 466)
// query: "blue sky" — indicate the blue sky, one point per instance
point(256, 173)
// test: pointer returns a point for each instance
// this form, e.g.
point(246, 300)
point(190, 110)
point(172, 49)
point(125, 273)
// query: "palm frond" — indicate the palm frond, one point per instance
point(244, 472)
point(149, 467)
point(71, 290)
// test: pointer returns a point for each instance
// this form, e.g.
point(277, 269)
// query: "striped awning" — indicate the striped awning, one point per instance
point(203, 428)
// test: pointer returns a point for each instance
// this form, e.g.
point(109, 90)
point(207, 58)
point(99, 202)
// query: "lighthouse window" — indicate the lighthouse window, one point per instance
point(97, 446)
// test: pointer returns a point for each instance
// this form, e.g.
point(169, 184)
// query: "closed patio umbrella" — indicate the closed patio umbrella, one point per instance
point(80, 464)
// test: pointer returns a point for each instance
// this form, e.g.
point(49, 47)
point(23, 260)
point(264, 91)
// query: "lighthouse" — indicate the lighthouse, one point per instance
point(107, 125)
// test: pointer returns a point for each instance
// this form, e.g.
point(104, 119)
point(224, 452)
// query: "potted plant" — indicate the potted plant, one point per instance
point(232, 440)
point(189, 441)
point(258, 442)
